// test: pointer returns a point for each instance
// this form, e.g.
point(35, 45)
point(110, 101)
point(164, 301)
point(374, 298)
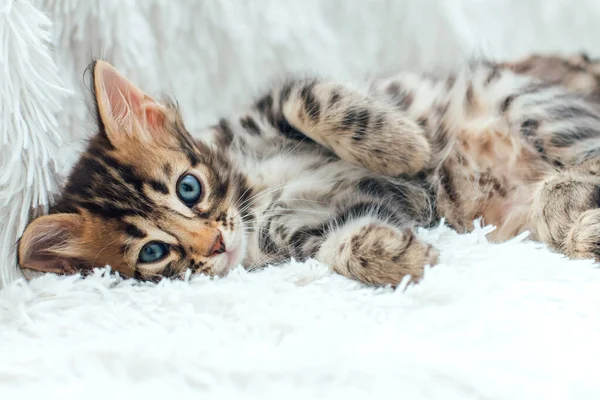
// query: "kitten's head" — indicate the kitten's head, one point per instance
point(144, 198)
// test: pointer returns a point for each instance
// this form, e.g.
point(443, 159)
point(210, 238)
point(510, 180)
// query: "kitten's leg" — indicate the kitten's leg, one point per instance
point(565, 212)
point(357, 128)
point(375, 252)
point(577, 72)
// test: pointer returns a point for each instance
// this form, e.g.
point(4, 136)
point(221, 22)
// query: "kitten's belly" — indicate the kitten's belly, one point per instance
point(490, 173)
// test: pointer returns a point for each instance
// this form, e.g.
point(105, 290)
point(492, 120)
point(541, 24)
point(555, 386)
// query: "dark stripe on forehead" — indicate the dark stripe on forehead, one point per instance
point(187, 145)
point(110, 192)
point(159, 186)
point(119, 191)
point(167, 169)
point(134, 231)
point(107, 189)
point(125, 171)
point(191, 155)
point(111, 211)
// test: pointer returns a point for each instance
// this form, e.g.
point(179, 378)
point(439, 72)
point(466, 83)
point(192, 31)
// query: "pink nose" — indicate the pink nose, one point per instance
point(218, 246)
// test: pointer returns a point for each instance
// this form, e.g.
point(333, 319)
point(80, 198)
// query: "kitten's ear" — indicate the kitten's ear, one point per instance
point(52, 243)
point(124, 109)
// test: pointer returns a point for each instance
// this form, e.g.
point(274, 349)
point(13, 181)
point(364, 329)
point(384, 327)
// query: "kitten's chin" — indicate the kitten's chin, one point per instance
point(229, 261)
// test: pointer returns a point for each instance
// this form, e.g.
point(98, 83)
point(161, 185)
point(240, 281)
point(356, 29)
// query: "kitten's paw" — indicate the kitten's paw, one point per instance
point(392, 146)
point(359, 129)
point(379, 254)
point(583, 240)
point(401, 148)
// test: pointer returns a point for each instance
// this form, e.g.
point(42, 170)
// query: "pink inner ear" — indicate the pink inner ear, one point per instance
point(123, 102)
point(122, 95)
point(117, 97)
point(154, 115)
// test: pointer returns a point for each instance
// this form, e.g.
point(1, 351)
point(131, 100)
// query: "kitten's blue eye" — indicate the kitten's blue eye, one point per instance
point(153, 251)
point(189, 189)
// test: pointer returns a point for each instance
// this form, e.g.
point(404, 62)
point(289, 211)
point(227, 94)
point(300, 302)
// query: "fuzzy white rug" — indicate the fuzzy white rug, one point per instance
point(510, 321)
point(504, 321)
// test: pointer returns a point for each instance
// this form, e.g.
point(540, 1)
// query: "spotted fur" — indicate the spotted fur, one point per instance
point(342, 174)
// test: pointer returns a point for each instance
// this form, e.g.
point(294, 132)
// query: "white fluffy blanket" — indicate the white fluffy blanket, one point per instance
point(510, 321)
point(493, 321)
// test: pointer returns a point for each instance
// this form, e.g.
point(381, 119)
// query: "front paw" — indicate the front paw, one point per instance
point(380, 254)
point(392, 146)
point(403, 148)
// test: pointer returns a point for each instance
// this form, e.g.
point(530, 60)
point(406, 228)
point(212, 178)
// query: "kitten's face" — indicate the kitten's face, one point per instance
point(144, 198)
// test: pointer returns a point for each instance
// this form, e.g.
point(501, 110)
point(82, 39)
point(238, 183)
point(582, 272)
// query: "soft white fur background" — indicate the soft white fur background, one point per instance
point(493, 321)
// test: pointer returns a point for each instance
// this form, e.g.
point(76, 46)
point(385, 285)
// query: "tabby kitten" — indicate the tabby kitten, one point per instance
point(319, 169)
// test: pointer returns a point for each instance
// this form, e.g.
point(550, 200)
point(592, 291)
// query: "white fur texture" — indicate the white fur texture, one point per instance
point(30, 97)
point(505, 321)
point(493, 321)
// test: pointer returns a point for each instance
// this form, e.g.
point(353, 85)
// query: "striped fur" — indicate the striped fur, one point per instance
point(319, 169)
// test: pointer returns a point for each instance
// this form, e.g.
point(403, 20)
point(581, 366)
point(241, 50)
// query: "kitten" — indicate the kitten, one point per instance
point(323, 170)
